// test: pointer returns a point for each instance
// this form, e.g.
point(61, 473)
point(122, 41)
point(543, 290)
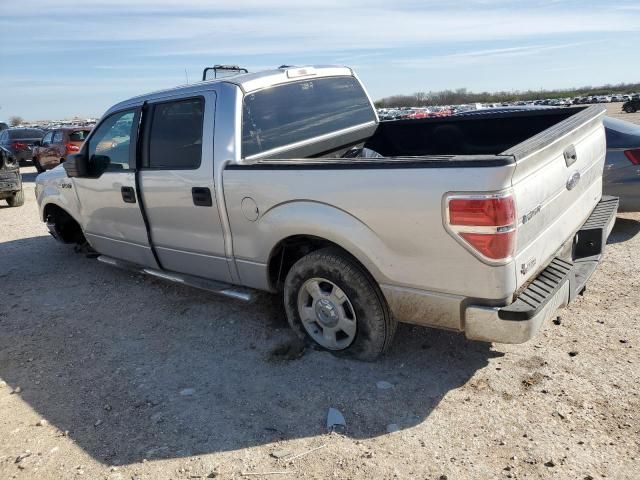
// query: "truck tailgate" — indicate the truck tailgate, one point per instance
point(557, 182)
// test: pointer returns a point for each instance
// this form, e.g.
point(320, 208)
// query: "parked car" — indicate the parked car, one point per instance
point(10, 179)
point(474, 224)
point(20, 142)
point(56, 145)
point(622, 168)
point(631, 106)
point(3, 126)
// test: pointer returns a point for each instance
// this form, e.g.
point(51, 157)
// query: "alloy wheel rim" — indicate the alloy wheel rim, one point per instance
point(327, 314)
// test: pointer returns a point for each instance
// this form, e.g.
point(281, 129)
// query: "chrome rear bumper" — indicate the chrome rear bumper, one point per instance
point(553, 288)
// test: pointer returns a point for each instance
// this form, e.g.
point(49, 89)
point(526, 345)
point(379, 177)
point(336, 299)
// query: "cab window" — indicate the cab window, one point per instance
point(109, 147)
point(175, 135)
point(283, 115)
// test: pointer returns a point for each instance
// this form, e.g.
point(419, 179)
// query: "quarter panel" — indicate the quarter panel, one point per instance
point(391, 220)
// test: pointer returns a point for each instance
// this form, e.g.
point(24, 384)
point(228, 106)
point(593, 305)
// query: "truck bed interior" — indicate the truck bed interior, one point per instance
point(477, 133)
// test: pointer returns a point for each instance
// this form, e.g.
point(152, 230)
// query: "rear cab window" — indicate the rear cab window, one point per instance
point(79, 135)
point(283, 115)
point(25, 133)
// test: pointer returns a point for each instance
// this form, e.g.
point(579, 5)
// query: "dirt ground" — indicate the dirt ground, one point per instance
point(109, 375)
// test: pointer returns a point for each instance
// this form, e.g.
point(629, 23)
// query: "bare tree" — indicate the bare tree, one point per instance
point(16, 120)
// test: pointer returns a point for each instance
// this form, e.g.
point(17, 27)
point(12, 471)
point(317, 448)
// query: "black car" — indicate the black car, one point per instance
point(20, 141)
point(631, 106)
point(10, 179)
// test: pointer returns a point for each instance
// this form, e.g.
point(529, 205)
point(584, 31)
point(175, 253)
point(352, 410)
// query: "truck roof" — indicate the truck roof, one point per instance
point(249, 82)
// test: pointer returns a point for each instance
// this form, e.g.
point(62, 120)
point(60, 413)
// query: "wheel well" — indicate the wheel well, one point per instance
point(66, 228)
point(288, 251)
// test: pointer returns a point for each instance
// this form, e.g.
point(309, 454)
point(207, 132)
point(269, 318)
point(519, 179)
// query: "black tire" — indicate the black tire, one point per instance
point(375, 327)
point(630, 109)
point(36, 164)
point(17, 199)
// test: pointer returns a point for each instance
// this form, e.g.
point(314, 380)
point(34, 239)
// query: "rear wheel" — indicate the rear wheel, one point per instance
point(17, 199)
point(630, 109)
point(332, 301)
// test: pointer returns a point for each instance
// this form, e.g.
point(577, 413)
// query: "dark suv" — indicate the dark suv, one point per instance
point(632, 105)
point(20, 142)
point(10, 179)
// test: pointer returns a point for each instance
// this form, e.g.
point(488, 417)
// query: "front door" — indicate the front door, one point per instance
point(109, 203)
point(176, 179)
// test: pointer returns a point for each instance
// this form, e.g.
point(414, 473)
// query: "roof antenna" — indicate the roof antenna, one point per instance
point(186, 75)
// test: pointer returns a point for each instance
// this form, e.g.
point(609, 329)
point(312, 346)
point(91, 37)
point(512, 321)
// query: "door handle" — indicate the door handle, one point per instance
point(128, 194)
point(201, 196)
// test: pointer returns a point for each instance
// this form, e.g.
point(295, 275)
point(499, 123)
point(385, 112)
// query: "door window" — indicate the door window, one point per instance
point(109, 147)
point(57, 136)
point(46, 140)
point(175, 135)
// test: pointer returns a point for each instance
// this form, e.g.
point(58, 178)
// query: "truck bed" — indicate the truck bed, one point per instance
point(476, 139)
point(476, 133)
point(392, 206)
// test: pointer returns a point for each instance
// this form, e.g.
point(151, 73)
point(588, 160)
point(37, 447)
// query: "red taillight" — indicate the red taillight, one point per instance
point(633, 156)
point(481, 211)
point(485, 223)
point(70, 148)
point(19, 145)
point(494, 246)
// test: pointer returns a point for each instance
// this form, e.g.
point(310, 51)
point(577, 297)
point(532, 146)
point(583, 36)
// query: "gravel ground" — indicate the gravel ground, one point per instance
point(109, 375)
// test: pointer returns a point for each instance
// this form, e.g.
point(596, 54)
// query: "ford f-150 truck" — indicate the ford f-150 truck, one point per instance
point(285, 181)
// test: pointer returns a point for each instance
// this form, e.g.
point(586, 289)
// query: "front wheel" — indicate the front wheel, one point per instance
point(331, 300)
point(630, 109)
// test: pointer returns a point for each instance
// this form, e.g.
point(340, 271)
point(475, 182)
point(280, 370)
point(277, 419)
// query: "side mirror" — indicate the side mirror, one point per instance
point(76, 165)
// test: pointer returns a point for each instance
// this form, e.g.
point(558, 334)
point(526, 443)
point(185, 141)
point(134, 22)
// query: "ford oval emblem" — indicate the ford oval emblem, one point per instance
point(574, 179)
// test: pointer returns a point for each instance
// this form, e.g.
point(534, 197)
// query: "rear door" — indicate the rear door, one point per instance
point(56, 151)
point(176, 179)
point(43, 151)
point(109, 203)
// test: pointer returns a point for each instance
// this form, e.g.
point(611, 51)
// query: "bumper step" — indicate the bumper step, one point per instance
point(539, 292)
point(588, 248)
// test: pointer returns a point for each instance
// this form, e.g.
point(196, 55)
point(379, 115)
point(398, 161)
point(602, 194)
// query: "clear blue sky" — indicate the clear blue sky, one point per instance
point(60, 58)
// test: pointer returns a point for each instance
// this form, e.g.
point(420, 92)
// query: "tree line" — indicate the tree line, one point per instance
point(462, 95)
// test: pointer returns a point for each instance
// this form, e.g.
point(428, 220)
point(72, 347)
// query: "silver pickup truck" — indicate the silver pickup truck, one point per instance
point(285, 181)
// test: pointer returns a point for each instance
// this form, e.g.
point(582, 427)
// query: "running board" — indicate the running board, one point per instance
point(219, 288)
